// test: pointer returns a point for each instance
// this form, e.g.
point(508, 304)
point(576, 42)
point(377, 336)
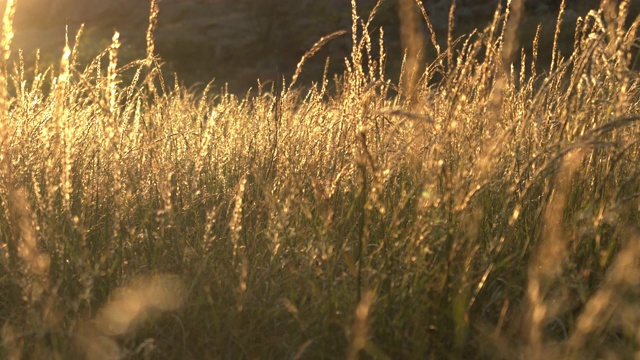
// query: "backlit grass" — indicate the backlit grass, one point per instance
point(472, 208)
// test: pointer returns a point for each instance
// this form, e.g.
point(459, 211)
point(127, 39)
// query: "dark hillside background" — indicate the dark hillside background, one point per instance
point(237, 41)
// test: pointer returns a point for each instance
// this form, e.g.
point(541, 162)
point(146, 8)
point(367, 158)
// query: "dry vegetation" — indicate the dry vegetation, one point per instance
point(472, 209)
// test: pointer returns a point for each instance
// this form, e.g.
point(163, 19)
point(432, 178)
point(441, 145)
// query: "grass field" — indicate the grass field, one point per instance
point(475, 208)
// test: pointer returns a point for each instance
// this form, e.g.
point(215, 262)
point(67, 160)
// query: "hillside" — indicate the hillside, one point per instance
point(239, 41)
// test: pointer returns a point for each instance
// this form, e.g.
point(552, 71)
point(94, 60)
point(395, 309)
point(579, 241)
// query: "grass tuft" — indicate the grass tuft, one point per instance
point(476, 207)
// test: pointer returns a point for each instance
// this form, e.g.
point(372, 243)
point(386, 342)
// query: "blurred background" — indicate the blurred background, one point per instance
point(238, 41)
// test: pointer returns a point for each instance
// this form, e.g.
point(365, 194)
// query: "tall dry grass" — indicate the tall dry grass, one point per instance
point(472, 209)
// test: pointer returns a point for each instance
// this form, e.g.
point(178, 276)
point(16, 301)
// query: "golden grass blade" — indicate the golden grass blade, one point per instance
point(432, 32)
point(7, 29)
point(131, 305)
point(360, 328)
point(413, 43)
point(550, 257)
point(556, 36)
point(112, 73)
point(450, 28)
point(511, 44)
point(154, 10)
point(314, 49)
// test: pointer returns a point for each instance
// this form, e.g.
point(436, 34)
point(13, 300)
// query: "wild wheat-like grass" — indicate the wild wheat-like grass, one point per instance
point(488, 212)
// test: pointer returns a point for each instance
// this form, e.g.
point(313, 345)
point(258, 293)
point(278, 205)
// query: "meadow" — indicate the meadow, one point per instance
point(476, 207)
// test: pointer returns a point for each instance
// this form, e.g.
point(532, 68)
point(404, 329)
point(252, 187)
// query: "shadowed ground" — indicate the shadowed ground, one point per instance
point(240, 41)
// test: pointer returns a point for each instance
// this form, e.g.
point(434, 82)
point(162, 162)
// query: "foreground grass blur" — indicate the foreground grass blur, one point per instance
point(472, 209)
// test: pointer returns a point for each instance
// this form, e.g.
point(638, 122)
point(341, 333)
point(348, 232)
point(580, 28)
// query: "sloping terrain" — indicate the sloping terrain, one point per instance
point(239, 41)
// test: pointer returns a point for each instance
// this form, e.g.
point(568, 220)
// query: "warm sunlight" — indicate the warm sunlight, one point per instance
point(292, 179)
